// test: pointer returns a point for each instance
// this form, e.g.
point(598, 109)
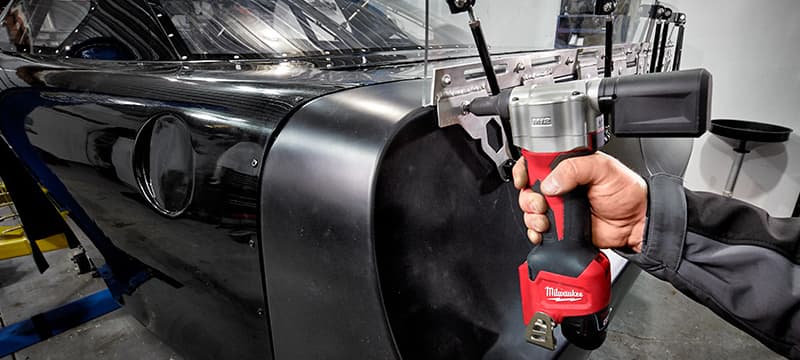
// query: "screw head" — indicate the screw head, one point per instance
point(520, 67)
point(447, 80)
point(252, 243)
point(254, 163)
point(260, 312)
point(461, 3)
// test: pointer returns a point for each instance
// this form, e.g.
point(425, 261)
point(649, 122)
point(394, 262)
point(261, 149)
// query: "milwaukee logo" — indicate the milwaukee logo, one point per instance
point(559, 295)
point(541, 121)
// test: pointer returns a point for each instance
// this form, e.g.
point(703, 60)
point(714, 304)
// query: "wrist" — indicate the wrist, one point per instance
point(636, 239)
point(639, 230)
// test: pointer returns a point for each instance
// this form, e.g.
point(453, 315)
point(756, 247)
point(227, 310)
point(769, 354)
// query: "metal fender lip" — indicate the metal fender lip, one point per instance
point(317, 197)
point(385, 236)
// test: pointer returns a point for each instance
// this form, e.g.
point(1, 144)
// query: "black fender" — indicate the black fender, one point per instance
point(386, 237)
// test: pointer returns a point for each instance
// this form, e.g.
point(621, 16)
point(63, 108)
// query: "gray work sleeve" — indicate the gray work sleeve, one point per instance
point(729, 256)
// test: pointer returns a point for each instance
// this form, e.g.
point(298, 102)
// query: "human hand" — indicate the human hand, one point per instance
point(618, 198)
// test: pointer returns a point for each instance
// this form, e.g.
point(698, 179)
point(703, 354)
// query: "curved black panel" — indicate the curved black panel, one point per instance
point(317, 203)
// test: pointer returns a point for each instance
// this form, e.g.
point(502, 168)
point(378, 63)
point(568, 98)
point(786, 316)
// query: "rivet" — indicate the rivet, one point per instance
point(252, 243)
point(447, 80)
point(254, 163)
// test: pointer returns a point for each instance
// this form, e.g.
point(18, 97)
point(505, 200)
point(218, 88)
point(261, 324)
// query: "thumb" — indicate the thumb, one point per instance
point(570, 173)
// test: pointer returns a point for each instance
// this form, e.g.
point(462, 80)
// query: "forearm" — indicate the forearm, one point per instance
point(728, 255)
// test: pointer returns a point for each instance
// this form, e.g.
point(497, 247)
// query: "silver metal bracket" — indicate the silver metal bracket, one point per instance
point(455, 86)
point(540, 331)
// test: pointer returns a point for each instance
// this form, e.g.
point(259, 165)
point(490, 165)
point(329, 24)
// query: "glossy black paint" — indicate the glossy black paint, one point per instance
point(96, 130)
point(260, 209)
point(86, 127)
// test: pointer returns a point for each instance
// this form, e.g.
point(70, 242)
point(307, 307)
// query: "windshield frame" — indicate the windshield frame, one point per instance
point(334, 56)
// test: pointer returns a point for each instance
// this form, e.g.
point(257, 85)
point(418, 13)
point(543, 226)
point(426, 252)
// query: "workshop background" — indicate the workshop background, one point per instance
point(751, 47)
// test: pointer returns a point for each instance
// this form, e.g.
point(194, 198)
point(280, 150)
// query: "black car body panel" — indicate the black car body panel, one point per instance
point(269, 208)
point(81, 129)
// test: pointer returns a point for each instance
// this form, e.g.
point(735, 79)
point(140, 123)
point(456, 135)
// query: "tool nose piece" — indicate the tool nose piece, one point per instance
point(490, 105)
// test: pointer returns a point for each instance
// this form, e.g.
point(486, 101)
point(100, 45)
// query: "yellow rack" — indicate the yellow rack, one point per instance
point(13, 242)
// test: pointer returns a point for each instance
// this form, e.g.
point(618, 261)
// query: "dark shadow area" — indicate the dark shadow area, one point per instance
point(9, 273)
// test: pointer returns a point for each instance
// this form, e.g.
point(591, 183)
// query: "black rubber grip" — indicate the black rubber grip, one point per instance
point(571, 254)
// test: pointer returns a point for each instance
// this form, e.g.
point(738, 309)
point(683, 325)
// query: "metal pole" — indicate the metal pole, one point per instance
point(609, 59)
point(483, 52)
point(655, 47)
point(733, 175)
point(676, 63)
point(663, 49)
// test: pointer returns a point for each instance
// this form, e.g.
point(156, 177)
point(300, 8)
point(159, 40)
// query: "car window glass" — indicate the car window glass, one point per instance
point(38, 26)
point(281, 28)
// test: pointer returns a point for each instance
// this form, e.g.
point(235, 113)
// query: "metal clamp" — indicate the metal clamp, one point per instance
point(455, 86)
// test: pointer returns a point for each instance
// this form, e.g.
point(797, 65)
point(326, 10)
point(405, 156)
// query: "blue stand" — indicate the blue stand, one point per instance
point(18, 336)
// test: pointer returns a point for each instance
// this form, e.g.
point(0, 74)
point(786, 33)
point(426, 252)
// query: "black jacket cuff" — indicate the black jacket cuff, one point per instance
point(665, 233)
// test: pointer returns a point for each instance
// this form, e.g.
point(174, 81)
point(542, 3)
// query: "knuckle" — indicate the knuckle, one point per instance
point(529, 220)
point(538, 203)
point(541, 223)
point(524, 199)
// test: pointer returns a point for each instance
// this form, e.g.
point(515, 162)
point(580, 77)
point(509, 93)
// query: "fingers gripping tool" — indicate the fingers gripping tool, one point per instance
point(565, 280)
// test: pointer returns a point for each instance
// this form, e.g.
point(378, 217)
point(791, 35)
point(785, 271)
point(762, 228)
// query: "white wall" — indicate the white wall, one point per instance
point(529, 24)
point(752, 48)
